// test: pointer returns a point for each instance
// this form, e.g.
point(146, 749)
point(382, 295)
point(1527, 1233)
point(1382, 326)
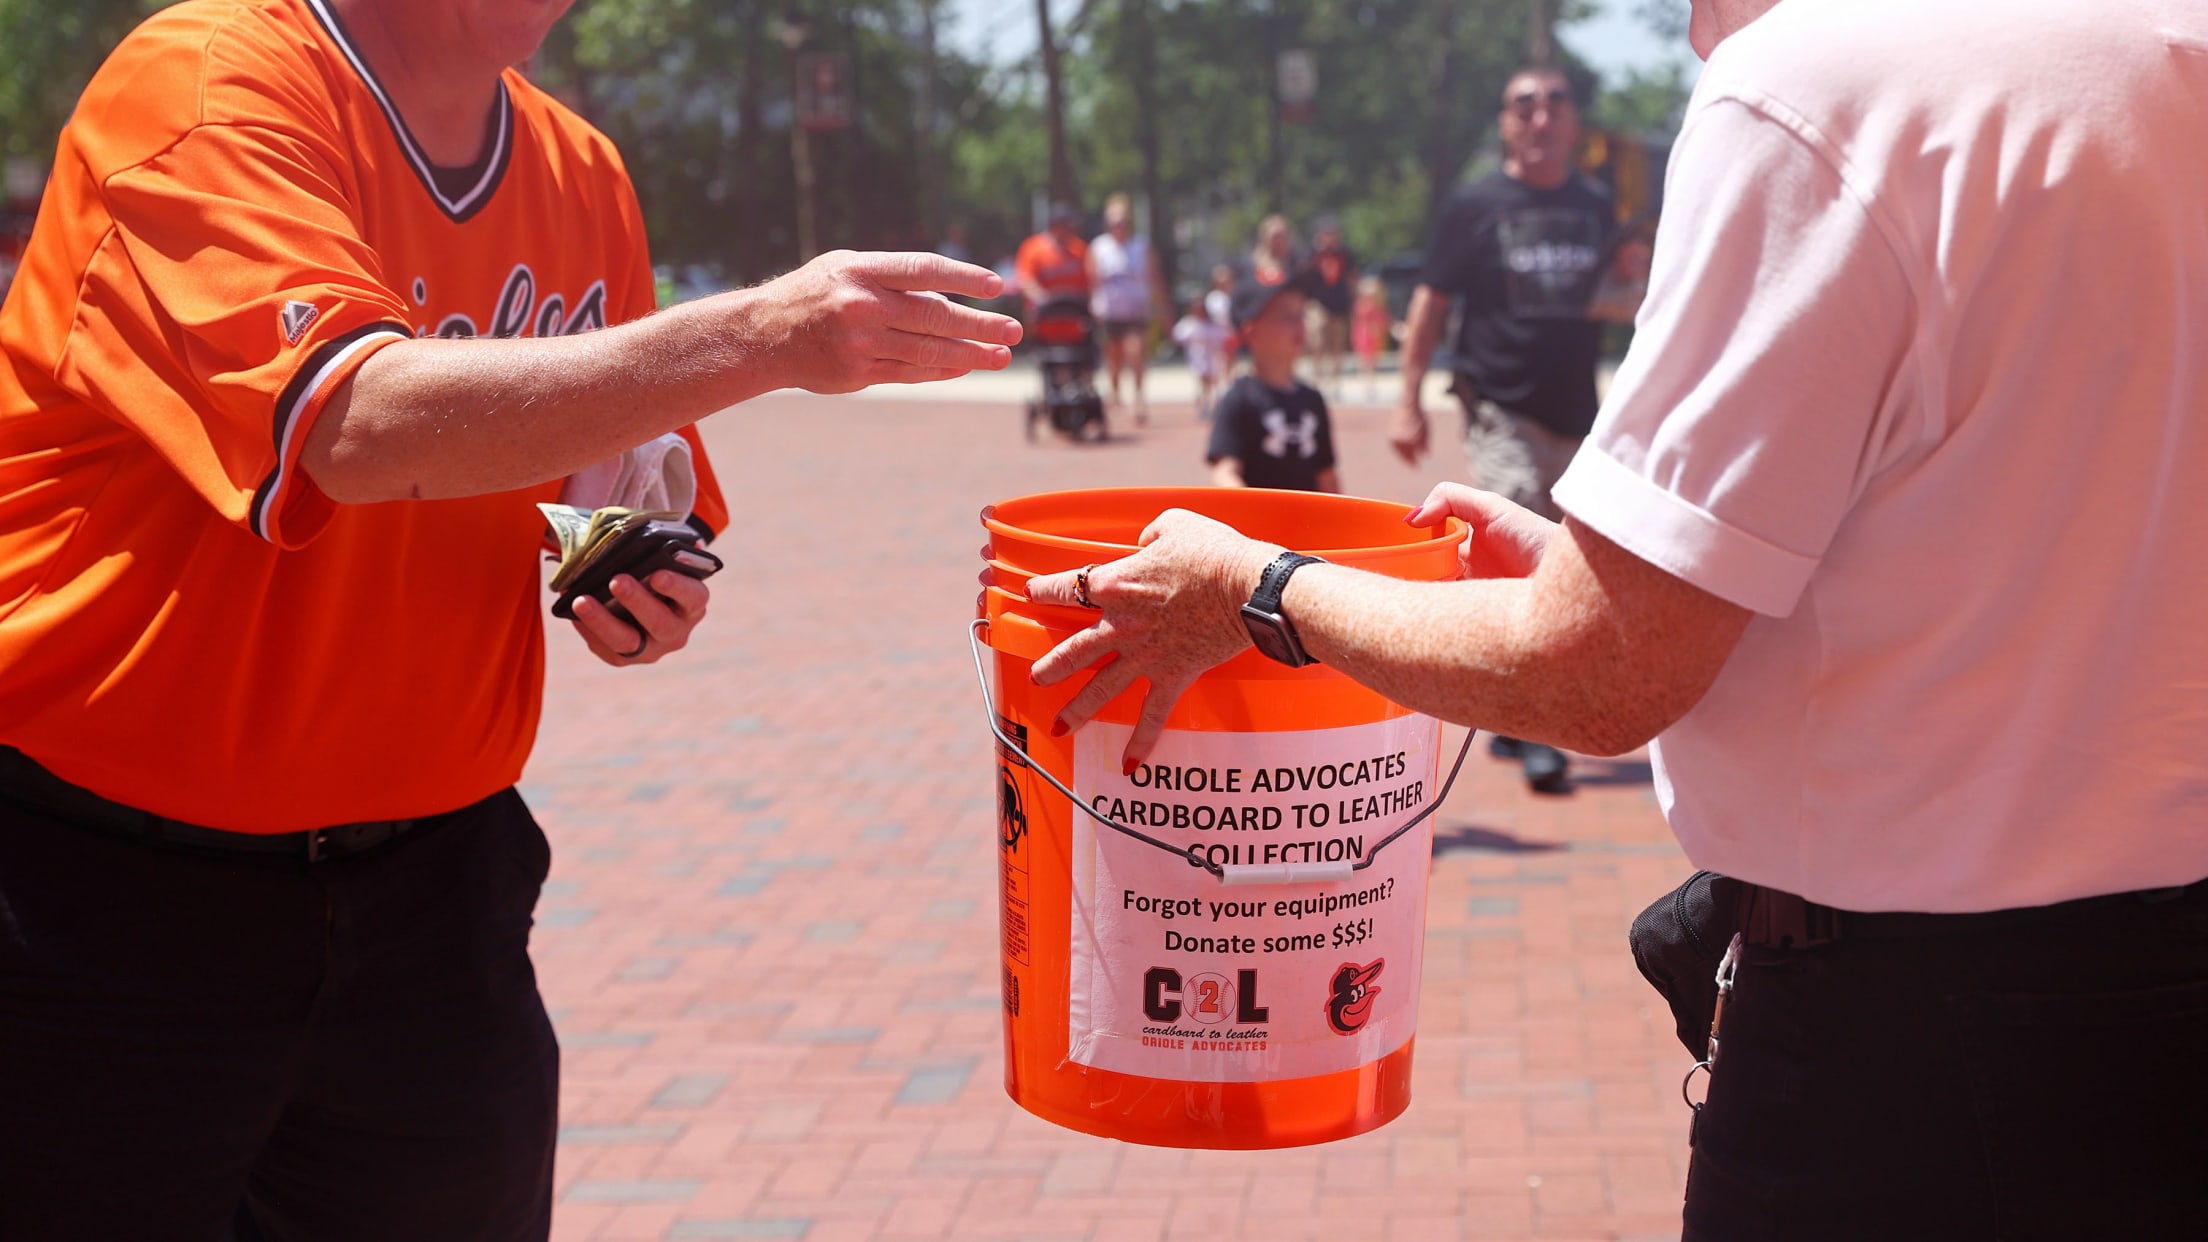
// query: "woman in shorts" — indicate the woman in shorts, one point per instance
point(1125, 290)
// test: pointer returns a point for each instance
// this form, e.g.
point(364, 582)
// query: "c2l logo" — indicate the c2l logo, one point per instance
point(1351, 1002)
point(1163, 999)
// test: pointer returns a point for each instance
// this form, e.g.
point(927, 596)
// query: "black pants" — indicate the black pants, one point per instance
point(2045, 1080)
point(199, 1045)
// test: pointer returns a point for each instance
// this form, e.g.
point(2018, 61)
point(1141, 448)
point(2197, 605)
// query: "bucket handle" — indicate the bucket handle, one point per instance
point(1225, 873)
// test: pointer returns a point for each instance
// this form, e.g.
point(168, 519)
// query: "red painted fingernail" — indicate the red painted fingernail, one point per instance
point(1058, 728)
point(1128, 768)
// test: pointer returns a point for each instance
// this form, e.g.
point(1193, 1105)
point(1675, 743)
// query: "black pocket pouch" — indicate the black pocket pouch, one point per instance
point(639, 553)
point(1677, 943)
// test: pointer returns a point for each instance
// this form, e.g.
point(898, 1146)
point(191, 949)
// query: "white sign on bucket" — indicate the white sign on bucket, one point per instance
point(1175, 975)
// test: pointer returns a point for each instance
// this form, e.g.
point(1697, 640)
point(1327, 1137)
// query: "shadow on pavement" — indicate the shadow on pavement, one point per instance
point(1470, 838)
point(1121, 439)
point(1612, 772)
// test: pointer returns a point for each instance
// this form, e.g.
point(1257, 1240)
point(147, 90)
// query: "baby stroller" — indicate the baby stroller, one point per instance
point(1065, 332)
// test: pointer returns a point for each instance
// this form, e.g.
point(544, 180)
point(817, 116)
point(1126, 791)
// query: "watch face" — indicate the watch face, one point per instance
point(1269, 634)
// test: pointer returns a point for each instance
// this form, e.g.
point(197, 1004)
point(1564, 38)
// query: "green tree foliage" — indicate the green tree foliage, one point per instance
point(1667, 18)
point(1648, 102)
point(48, 51)
point(699, 96)
point(1389, 72)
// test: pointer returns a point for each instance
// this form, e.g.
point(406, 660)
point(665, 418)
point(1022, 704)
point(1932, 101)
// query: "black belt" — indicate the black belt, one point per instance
point(23, 781)
point(1781, 920)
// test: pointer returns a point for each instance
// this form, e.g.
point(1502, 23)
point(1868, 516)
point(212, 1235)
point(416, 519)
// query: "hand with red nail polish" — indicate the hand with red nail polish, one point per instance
point(1168, 613)
point(1506, 539)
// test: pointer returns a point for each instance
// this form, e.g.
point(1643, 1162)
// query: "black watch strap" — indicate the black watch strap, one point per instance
point(1274, 581)
point(1270, 632)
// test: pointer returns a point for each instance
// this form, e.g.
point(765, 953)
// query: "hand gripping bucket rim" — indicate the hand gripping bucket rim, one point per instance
point(1115, 947)
point(1228, 874)
point(1069, 551)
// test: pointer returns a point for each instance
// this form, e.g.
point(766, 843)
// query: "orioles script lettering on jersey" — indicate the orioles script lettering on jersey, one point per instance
point(511, 317)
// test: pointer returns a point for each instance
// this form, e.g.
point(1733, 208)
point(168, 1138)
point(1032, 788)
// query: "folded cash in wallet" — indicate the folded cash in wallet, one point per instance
point(597, 544)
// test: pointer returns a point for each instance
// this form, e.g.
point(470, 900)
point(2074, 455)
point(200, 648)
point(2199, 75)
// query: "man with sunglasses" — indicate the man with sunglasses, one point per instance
point(1523, 250)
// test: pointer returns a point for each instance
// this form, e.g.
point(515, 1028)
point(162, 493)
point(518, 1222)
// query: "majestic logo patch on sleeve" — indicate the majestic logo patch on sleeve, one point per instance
point(297, 317)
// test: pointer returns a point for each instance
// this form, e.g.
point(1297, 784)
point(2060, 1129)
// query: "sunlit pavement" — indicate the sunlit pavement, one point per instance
point(770, 937)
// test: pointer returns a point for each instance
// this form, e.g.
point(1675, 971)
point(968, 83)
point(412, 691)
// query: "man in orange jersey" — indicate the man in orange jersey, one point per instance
point(1055, 262)
point(321, 301)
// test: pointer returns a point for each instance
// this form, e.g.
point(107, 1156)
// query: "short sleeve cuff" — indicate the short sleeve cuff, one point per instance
point(1680, 538)
point(288, 509)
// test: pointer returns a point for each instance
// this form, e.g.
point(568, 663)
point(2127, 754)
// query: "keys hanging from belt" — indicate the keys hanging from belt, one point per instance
point(1726, 967)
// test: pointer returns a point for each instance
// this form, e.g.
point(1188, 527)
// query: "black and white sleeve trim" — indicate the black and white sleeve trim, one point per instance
point(327, 360)
point(472, 199)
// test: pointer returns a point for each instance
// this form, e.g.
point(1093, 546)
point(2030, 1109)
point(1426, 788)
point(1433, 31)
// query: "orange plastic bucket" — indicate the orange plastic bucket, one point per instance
point(1233, 960)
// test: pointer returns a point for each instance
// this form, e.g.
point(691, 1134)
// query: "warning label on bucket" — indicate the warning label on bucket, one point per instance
point(1174, 975)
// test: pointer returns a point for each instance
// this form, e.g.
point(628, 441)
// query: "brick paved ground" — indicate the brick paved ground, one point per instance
point(769, 940)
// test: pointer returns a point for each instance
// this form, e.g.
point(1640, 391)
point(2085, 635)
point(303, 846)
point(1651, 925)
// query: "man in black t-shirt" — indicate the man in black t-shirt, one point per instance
point(1525, 249)
point(1271, 429)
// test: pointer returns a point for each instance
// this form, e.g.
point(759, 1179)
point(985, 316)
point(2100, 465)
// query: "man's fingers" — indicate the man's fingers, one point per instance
point(901, 373)
point(686, 594)
point(941, 353)
point(652, 613)
point(917, 271)
point(1109, 683)
point(1073, 655)
point(1409, 435)
point(934, 316)
point(599, 626)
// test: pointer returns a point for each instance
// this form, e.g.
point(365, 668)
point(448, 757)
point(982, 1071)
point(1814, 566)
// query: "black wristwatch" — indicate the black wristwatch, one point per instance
point(1270, 632)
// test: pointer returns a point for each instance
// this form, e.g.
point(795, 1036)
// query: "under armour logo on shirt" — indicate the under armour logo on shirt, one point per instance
point(1279, 435)
point(297, 317)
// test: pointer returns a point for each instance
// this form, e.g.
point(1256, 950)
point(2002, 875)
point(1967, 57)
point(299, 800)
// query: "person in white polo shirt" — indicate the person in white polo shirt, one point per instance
point(1891, 534)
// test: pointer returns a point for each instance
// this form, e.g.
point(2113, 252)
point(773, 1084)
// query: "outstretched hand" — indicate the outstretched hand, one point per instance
point(847, 320)
point(1506, 540)
point(1170, 612)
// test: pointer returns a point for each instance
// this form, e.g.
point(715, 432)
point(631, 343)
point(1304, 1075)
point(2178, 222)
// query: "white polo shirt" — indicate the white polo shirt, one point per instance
point(1922, 379)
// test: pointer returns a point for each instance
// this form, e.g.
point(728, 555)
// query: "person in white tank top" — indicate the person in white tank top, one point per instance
point(1126, 293)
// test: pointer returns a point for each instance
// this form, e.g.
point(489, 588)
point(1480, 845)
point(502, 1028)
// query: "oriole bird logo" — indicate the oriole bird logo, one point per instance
point(1354, 990)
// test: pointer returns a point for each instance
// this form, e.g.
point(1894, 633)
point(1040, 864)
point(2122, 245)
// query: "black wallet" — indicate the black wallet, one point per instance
point(639, 551)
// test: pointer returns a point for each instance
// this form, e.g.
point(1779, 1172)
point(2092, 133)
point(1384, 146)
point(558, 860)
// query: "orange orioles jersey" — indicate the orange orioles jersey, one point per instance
point(236, 220)
point(1049, 268)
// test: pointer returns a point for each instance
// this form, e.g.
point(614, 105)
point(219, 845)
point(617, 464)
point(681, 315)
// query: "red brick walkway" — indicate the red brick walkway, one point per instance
point(770, 938)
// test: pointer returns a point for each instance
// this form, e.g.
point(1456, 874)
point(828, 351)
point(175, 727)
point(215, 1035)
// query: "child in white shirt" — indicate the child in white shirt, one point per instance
point(1206, 341)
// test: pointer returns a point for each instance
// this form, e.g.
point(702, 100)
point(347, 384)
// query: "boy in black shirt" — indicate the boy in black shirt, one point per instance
point(1271, 429)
